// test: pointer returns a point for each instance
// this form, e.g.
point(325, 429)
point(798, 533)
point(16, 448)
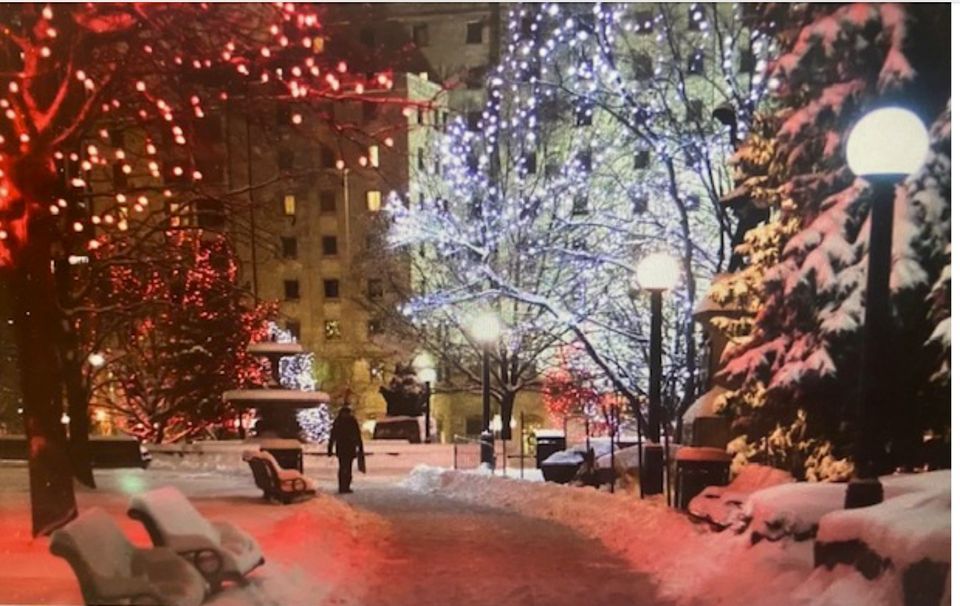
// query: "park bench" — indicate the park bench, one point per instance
point(284, 485)
point(218, 550)
point(111, 570)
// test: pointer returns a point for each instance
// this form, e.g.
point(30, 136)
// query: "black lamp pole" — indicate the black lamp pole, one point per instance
point(874, 403)
point(486, 438)
point(652, 460)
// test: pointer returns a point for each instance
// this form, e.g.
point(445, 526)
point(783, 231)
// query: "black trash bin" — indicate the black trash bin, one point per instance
point(549, 441)
point(697, 468)
point(288, 453)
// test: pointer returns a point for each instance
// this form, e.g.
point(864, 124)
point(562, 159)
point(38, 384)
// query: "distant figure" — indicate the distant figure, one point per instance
point(346, 436)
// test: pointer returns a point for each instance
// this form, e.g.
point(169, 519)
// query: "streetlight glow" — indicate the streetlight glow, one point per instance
point(887, 141)
point(658, 271)
point(485, 327)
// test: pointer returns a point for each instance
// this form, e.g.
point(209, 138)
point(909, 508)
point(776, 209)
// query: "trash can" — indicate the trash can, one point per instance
point(288, 453)
point(549, 441)
point(697, 468)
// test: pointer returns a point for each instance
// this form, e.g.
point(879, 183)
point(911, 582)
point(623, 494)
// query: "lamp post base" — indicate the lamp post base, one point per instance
point(863, 492)
point(487, 454)
point(651, 465)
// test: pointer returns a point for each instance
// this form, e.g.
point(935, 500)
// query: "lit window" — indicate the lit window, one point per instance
point(288, 247)
point(331, 330)
point(290, 205)
point(374, 153)
point(374, 200)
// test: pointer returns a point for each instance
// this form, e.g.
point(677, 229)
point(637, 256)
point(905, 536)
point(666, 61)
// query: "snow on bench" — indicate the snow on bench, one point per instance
point(111, 570)
point(219, 550)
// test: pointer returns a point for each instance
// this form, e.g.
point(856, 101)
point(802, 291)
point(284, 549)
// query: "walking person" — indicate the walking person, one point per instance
point(345, 435)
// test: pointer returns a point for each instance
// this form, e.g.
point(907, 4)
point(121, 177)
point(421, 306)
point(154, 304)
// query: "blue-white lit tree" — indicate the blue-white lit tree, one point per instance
point(594, 149)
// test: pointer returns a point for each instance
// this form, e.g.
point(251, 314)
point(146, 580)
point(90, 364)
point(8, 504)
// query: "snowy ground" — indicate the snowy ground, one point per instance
point(384, 545)
point(439, 537)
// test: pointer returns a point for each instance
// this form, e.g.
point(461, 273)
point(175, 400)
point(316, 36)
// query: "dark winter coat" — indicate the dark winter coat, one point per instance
point(345, 435)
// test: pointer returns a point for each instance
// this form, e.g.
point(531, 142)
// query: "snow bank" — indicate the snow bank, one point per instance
point(792, 510)
point(691, 565)
point(722, 506)
point(696, 567)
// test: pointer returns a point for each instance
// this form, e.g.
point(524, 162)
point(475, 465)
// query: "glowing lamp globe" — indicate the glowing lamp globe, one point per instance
point(424, 365)
point(887, 141)
point(658, 271)
point(485, 327)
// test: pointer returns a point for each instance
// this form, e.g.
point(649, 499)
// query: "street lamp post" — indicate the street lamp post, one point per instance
point(656, 274)
point(485, 329)
point(424, 364)
point(884, 147)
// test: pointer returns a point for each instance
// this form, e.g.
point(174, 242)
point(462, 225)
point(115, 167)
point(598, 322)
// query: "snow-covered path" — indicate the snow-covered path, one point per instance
point(440, 551)
point(386, 544)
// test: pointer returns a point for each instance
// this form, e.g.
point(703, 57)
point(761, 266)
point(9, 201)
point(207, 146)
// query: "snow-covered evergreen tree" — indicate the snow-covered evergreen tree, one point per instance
point(794, 368)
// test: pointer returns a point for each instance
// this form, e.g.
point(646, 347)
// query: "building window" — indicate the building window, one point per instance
point(475, 32)
point(119, 177)
point(291, 290)
point(175, 216)
point(331, 289)
point(116, 137)
point(585, 159)
point(552, 170)
point(288, 247)
point(328, 245)
point(748, 61)
point(327, 158)
point(473, 121)
point(373, 153)
point(641, 159)
point(694, 110)
point(210, 213)
point(643, 69)
point(289, 205)
point(584, 113)
point(645, 22)
point(580, 204)
point(530, 163)
point(293, 326)
point(639, 204)
point(694, 17)
point(374, 327)
point(210, 165)
point(695, 63)
point(328, 202)
point(375, 289)
point(331, 330)
point(421, 35)
point(374, 200)
point(421, 158)
point(285, 159)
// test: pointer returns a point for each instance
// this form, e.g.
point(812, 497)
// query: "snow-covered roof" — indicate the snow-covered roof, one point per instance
point(276, 397)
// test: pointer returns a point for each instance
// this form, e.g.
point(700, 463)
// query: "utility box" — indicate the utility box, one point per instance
point(549, 441)
point(697, 468)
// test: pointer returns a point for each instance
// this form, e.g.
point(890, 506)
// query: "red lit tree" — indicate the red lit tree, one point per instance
point(180, 329)
point(73, 76)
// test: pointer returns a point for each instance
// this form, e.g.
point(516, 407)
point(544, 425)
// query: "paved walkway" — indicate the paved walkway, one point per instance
point(438, 552)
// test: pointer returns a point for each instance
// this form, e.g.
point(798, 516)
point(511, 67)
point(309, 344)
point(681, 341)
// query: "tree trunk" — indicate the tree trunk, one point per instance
point(506, 413)
point(51, 484)
point(77, 396)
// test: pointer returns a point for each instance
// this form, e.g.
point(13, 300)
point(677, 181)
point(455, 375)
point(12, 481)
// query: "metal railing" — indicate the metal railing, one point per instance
point(466, 452)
